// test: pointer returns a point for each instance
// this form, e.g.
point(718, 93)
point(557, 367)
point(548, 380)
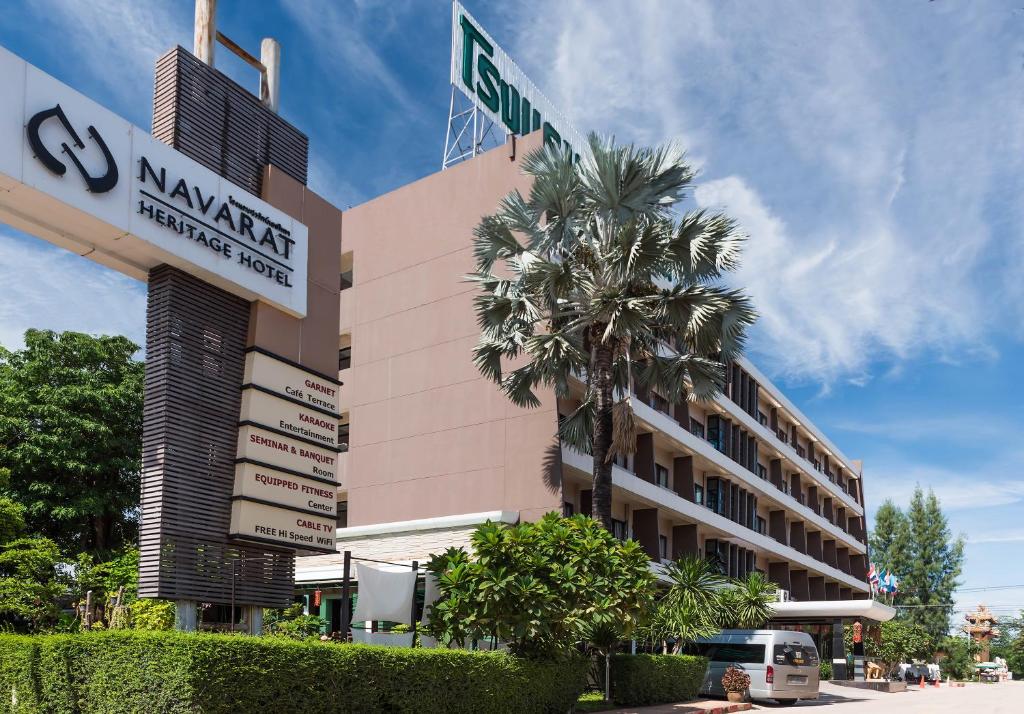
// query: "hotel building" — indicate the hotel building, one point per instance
point(435, 449)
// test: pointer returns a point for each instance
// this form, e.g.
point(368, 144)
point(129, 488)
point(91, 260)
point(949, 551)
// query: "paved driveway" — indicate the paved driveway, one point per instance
point(1002, 698)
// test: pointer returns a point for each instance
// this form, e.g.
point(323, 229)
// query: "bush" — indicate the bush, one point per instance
point(639, 680)
point(825, 671)
point(19, 657)
point(169, 672)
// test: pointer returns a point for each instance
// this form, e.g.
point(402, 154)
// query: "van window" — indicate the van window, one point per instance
point(738, 654)
point(796, 655)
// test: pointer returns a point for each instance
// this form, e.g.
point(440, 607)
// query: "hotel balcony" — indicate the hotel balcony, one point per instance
point(659, 513)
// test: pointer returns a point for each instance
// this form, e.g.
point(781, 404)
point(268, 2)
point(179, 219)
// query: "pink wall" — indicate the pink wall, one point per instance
point(429, 436)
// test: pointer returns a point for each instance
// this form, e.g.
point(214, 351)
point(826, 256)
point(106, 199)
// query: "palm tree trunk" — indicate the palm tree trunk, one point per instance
point(604, 388)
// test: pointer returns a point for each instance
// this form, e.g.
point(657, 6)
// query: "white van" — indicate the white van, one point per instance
point(782, 664)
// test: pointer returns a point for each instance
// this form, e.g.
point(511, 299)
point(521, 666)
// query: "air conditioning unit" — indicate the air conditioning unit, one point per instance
point(782, 595)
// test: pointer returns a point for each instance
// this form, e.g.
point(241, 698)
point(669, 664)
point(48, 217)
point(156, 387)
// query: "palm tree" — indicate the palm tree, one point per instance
point(748, 603)
point(603, 281)
point(693, 604)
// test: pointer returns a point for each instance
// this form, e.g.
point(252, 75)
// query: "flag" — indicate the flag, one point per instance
point(873, 575)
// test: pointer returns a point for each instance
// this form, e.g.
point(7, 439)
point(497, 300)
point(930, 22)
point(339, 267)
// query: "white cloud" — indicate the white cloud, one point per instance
point(877, 175)
point(118, 40)
point(986, 486)
point(1006, 535)
point(57, 290)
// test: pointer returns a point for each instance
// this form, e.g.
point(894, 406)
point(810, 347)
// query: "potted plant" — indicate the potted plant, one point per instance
point(736, 682)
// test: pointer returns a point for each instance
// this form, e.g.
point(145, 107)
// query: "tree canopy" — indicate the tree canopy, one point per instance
point(541, 587)
point(918, 546)
point(602, 279)
point(70, 437)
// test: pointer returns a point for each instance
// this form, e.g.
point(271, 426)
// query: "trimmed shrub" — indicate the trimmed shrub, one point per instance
point(170, 672)
point(19, 692)
point(639, 680)
point(825, 671)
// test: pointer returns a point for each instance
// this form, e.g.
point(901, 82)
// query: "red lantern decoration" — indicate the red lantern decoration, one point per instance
point(316, 598)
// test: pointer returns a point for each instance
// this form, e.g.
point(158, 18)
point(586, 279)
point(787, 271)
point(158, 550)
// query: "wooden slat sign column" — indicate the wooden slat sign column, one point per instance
point(286, 478)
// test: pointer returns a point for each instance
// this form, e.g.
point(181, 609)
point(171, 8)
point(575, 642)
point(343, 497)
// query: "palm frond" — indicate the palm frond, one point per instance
point(493, 241)
point(577, 429)
point(705, 246)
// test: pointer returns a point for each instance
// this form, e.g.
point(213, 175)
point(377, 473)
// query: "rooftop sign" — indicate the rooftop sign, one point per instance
point(497, 87)
point(76, 174)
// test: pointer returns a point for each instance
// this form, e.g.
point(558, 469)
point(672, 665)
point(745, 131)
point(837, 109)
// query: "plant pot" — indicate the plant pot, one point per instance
point(736, 696)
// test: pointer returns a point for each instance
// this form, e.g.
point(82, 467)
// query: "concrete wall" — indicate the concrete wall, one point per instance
point(429, 436)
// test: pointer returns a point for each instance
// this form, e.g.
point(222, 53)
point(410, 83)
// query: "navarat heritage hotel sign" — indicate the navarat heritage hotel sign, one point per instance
point(286, 477)
point(76, 174)
point(498, 88)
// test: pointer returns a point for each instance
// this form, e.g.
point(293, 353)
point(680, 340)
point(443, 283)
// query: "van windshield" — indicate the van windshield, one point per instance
point(796, 655)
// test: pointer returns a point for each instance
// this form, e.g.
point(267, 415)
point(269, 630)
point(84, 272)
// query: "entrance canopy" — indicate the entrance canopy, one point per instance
point(828, 611)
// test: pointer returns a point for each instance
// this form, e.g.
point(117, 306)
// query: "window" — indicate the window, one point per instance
point(696, 428)
point(762, 418)
point(343, 437)
point(762, 471)
point(660, 403)
point(344, 358)
point(795, 656)
point(661, 475)
point(716, 433)
point(663, 547)
point(568, 509)
point(759, 524)
point(342, 514)
point(712, 496)
point(345, 281)
point(623, 461)
point(718, 553)
point(738, 653)
point(698, 495)
point(619, 529)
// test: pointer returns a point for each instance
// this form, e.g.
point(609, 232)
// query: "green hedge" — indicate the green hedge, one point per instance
point(643, 679)
point(157, 672)
point(19, 658)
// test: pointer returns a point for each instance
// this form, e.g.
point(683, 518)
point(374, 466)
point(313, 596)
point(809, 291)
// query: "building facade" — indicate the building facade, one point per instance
point(434, 448)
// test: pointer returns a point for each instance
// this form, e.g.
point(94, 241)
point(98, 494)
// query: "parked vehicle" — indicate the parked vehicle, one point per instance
point(782, 664)
point(913, 672)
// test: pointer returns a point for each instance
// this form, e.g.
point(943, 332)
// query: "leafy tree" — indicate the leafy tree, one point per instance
point(918, 547)
point(958, 661)
point(748, 604)
point(30, 582)
point(899, 642)
point(12, 519)
point(599, 279)
point(541, 587)
point(1009, 644)
point(70, 437)
point(292, 623)
point(935, 564)
point(890, 540)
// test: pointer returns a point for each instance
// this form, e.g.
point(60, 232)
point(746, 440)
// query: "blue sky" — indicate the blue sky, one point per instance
point(873, 152)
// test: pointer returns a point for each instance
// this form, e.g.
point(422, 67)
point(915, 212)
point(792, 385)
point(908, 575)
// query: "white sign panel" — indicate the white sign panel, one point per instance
point(289, 418)
point(267, 447)
point(273, 373)
point(260, 483)
point(258, 521)
point(76, 174)
point(496, 85)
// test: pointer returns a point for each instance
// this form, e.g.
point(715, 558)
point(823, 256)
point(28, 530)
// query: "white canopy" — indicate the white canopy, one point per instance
point(834, 609)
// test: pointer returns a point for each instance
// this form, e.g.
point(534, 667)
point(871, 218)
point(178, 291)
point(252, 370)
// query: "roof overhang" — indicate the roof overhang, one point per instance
point(830, 610)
